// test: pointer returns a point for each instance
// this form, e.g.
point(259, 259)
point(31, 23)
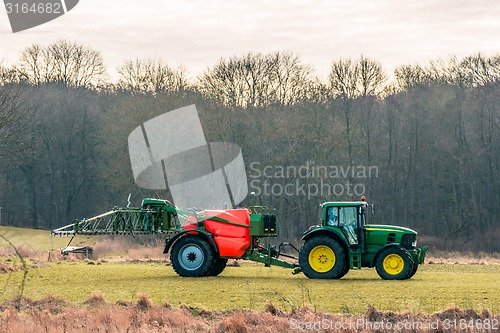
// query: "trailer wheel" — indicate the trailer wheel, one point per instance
point(217, 267)
point(323, 257)
point(394, 263)
point(191, 256)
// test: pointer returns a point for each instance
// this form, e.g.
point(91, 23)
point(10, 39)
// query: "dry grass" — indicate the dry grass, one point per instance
point(22, 250)
point(97, 315)
point(134, 248)
point(96, 300)
point(471, 242)
point(462, 258)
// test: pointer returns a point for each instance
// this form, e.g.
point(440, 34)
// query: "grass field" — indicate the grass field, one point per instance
point(251, 286)
point(433, 288)
point(39, 240)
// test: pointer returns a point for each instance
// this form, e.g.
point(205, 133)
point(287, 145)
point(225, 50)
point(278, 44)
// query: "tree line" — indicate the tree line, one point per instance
point(431, 131)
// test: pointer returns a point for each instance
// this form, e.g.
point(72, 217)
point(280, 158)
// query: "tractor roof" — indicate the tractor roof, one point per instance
point(344, 203)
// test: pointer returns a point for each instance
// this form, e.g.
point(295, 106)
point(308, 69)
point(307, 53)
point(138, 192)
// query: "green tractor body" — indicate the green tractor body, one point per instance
point(344, 241)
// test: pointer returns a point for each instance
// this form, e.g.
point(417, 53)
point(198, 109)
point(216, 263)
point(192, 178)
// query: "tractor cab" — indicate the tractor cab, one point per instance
point(348, 217)
point(351, 218)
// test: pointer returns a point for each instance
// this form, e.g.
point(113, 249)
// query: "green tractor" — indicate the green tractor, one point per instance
point(344, 241)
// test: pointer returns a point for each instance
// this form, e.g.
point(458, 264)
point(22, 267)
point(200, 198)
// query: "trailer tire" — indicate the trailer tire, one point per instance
point(217, 267)
point(322, 257)
point(394, 263)
point(192, 256)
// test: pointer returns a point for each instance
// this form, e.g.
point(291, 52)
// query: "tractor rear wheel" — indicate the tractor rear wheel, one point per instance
point(323, 257)
point(217, 267)
point(344, 271)
point(192, 256)
point(394, 263)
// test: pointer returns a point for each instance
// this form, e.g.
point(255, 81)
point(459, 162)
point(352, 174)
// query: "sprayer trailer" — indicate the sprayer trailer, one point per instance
point(201, 242)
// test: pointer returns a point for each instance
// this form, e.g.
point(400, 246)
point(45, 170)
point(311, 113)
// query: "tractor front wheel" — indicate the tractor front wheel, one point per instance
point(323, 257)
point(413, 271)
point(191, 256)
point(394, 263)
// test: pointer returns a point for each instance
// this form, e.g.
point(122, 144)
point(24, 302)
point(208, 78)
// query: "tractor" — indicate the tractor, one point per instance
point(344, 241)
point(200, 242)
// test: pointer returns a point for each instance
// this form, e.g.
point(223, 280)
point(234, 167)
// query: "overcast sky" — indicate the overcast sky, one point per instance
point(197, 33)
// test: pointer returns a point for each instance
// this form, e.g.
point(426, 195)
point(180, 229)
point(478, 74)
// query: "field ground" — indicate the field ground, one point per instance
point(434, 287)
point(39, 240)
point(249, 287)
point(250, 298)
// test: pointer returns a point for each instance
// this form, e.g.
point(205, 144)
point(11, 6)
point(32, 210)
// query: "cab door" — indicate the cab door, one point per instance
point(348, 221)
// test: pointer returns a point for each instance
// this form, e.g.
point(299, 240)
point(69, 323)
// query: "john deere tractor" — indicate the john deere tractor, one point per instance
point(201, 242)
point(344, 241)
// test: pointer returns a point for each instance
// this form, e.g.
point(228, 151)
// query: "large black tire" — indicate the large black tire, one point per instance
point(322, 257)
point(217, 267)
point(191, 256)
point(413, 271)
point(344, 271)
point(394, 263)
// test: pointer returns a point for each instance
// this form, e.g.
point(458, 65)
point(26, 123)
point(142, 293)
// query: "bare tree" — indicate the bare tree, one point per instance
point(410, 75)
point(479, 70)
point(256, 80)
point(293, 80)
point(15, 113)
point(239, 82)
point(343, 85)
point(471, 71)
point(8, 75)
point(371, 77)
point(151, 76)
point(222, 83)
point(343, 79)
point(65, 62)
point(350, 80)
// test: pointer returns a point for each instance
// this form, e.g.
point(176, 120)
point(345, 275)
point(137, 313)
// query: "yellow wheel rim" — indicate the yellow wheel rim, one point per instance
point(393, 264)
point(321, 258)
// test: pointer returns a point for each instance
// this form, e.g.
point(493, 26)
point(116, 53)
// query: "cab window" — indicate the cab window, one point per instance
point(348, 219)
point(332, 216)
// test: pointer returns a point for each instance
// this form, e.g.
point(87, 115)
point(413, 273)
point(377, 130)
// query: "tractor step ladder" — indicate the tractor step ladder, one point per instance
point(355, 258)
